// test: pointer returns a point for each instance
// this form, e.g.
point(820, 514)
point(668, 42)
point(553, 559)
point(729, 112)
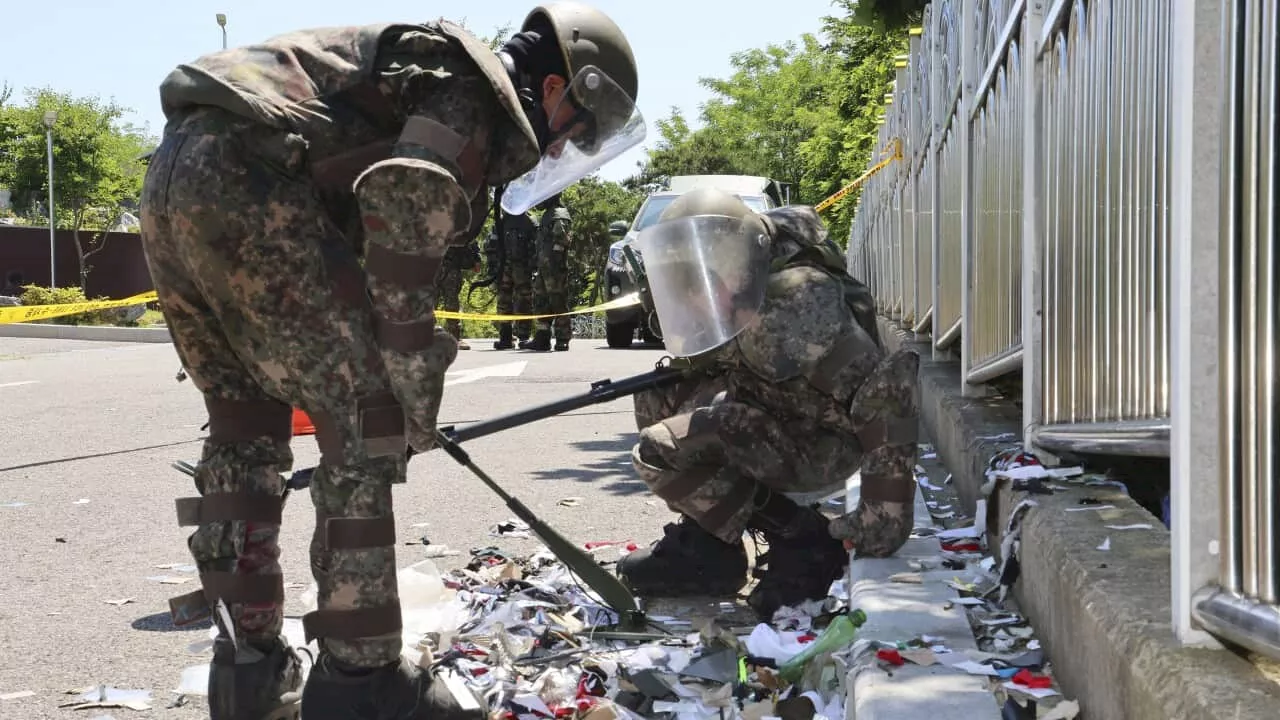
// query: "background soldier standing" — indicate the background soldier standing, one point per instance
point(551, 285)
point(294, 220)
point(515, 284)
point(457, 261)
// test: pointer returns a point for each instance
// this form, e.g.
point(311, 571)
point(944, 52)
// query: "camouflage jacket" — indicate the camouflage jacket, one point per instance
point(814, 343)
point(407, 124)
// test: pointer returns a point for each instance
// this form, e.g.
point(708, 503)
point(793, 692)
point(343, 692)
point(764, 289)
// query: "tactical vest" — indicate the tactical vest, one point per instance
point(322, 84)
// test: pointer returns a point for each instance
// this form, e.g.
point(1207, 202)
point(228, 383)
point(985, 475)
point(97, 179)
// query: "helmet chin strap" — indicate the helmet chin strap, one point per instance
point(530, 101)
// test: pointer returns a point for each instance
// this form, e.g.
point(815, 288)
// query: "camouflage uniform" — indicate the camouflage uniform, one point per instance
point(515, 286)
point(551, 285)
point(457, 261)
point(283, 165)
point(793, 405)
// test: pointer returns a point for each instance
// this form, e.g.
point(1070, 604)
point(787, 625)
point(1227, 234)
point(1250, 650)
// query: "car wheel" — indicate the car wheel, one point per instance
point(619, 336)
point(651, 332)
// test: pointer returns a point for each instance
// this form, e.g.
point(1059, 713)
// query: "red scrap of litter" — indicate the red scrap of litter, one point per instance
point(962, 547)
point(1025, 677)
point(893, 657)
point(631, 546)
point(806, 638)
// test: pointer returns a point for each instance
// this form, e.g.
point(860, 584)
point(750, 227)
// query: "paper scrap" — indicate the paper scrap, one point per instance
point(1091, 507)
point(17, 695)
point(910, 578)
point(1135, 526)
point(570, 502)
point(967, 601)
point(81, 501)
point(1106, 544)
point(1038, 693)
point(974, 668)
point(1065, 710)
point(121, 601)
point(919, 657)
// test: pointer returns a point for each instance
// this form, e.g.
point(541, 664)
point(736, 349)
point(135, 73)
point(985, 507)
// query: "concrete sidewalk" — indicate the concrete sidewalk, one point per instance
point(899, 611)
point(105, 333)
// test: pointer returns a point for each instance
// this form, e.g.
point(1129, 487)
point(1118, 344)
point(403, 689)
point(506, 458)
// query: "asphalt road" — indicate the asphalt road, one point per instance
point(87, 514)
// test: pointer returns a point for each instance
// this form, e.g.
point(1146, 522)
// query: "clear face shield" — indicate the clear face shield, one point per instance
point(707, 277)
point(605, 123)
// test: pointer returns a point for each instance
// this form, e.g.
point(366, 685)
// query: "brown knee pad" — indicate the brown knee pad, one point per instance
point(237, 517)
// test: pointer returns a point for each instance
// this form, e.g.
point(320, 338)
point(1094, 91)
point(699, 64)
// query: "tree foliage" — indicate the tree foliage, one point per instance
point(97, 171)
point(802, 112)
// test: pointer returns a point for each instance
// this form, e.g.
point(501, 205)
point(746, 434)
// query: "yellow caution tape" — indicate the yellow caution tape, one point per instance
point(894, 146)
point(27, 313)
point(622, 302)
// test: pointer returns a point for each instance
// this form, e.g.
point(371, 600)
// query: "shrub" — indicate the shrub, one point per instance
point(36, 295)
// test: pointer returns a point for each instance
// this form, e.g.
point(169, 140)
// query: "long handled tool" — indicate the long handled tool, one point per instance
point(610, 588)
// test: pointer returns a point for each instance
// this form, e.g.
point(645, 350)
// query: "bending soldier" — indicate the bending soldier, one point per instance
point(551, 285)
point(789, 394)
point(283, 166)
point(458, 259)
point(515, 284)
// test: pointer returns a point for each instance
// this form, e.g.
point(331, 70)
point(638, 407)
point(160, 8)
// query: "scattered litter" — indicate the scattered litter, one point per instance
point(81, 501)
point(1091, 507)
point(15, 504)
point(1033, 645)
point(169, 579)
point(976, 668)
point(970, 601)
point(105, 696)
point(1135, 526)
point(908, 578)
point(179, 567)
point(17, 695)
point(924, 483)
point(570, 502)
point(439, 551)
point(121, 601)
point(1065, 710)
point(1106, 545)
point(512, 528)
point(920, 657)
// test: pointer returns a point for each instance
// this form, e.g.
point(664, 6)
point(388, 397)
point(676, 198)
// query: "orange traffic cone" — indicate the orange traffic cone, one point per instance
point(302, 424)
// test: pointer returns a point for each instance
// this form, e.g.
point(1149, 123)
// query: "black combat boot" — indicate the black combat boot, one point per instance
point(262, 686)
point(686, 561)
point(803, 559)
point(399, 691)
point(562, 344)
point(541, 342)
point(504, 341)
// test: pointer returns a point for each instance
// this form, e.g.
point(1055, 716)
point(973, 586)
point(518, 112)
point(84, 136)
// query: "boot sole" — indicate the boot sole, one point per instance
point(689, 589)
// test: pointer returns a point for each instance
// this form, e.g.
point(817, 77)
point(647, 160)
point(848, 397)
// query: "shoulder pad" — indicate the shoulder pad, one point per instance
point(798, 223)
point(516, 152)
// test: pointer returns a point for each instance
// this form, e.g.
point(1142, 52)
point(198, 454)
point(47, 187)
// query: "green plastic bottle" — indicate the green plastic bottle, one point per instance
point(839, 634)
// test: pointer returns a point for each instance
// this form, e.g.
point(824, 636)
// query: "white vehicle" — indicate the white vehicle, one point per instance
point(759, 194)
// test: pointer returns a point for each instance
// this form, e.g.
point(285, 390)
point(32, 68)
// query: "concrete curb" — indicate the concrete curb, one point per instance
point(901, 611)
point(1103, 617)
point(107, 333)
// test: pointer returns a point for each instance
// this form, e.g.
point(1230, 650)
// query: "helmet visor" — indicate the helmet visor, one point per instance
point(707, 276)
point(604, 124)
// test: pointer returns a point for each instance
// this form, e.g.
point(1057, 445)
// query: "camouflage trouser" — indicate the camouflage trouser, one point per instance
point(551, 289)
point(265, 301)
point(707, 455)
point(448, 288)
point(515, 287)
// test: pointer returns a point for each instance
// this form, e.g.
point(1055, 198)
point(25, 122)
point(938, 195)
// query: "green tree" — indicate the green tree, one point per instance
point(892, 15)
point(593, 204)
point(97, 171)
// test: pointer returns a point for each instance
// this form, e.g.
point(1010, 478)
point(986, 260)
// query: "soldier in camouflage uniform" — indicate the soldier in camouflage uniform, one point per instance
point(776, 416)
point(458, 259)
point(294, 218)
point(515, 284)
point(551, 285)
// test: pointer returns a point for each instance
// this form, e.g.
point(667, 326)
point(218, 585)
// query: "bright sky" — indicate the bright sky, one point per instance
point(122, 49)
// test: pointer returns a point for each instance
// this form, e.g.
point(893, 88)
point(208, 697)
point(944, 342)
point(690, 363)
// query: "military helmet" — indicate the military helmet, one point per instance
point(589, 37)
point(706, 201)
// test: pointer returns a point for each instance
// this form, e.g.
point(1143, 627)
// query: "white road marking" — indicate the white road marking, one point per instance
point(511, 369)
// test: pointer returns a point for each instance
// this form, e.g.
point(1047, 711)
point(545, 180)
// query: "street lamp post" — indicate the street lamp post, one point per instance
point(222, 23)
point(51, 117)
